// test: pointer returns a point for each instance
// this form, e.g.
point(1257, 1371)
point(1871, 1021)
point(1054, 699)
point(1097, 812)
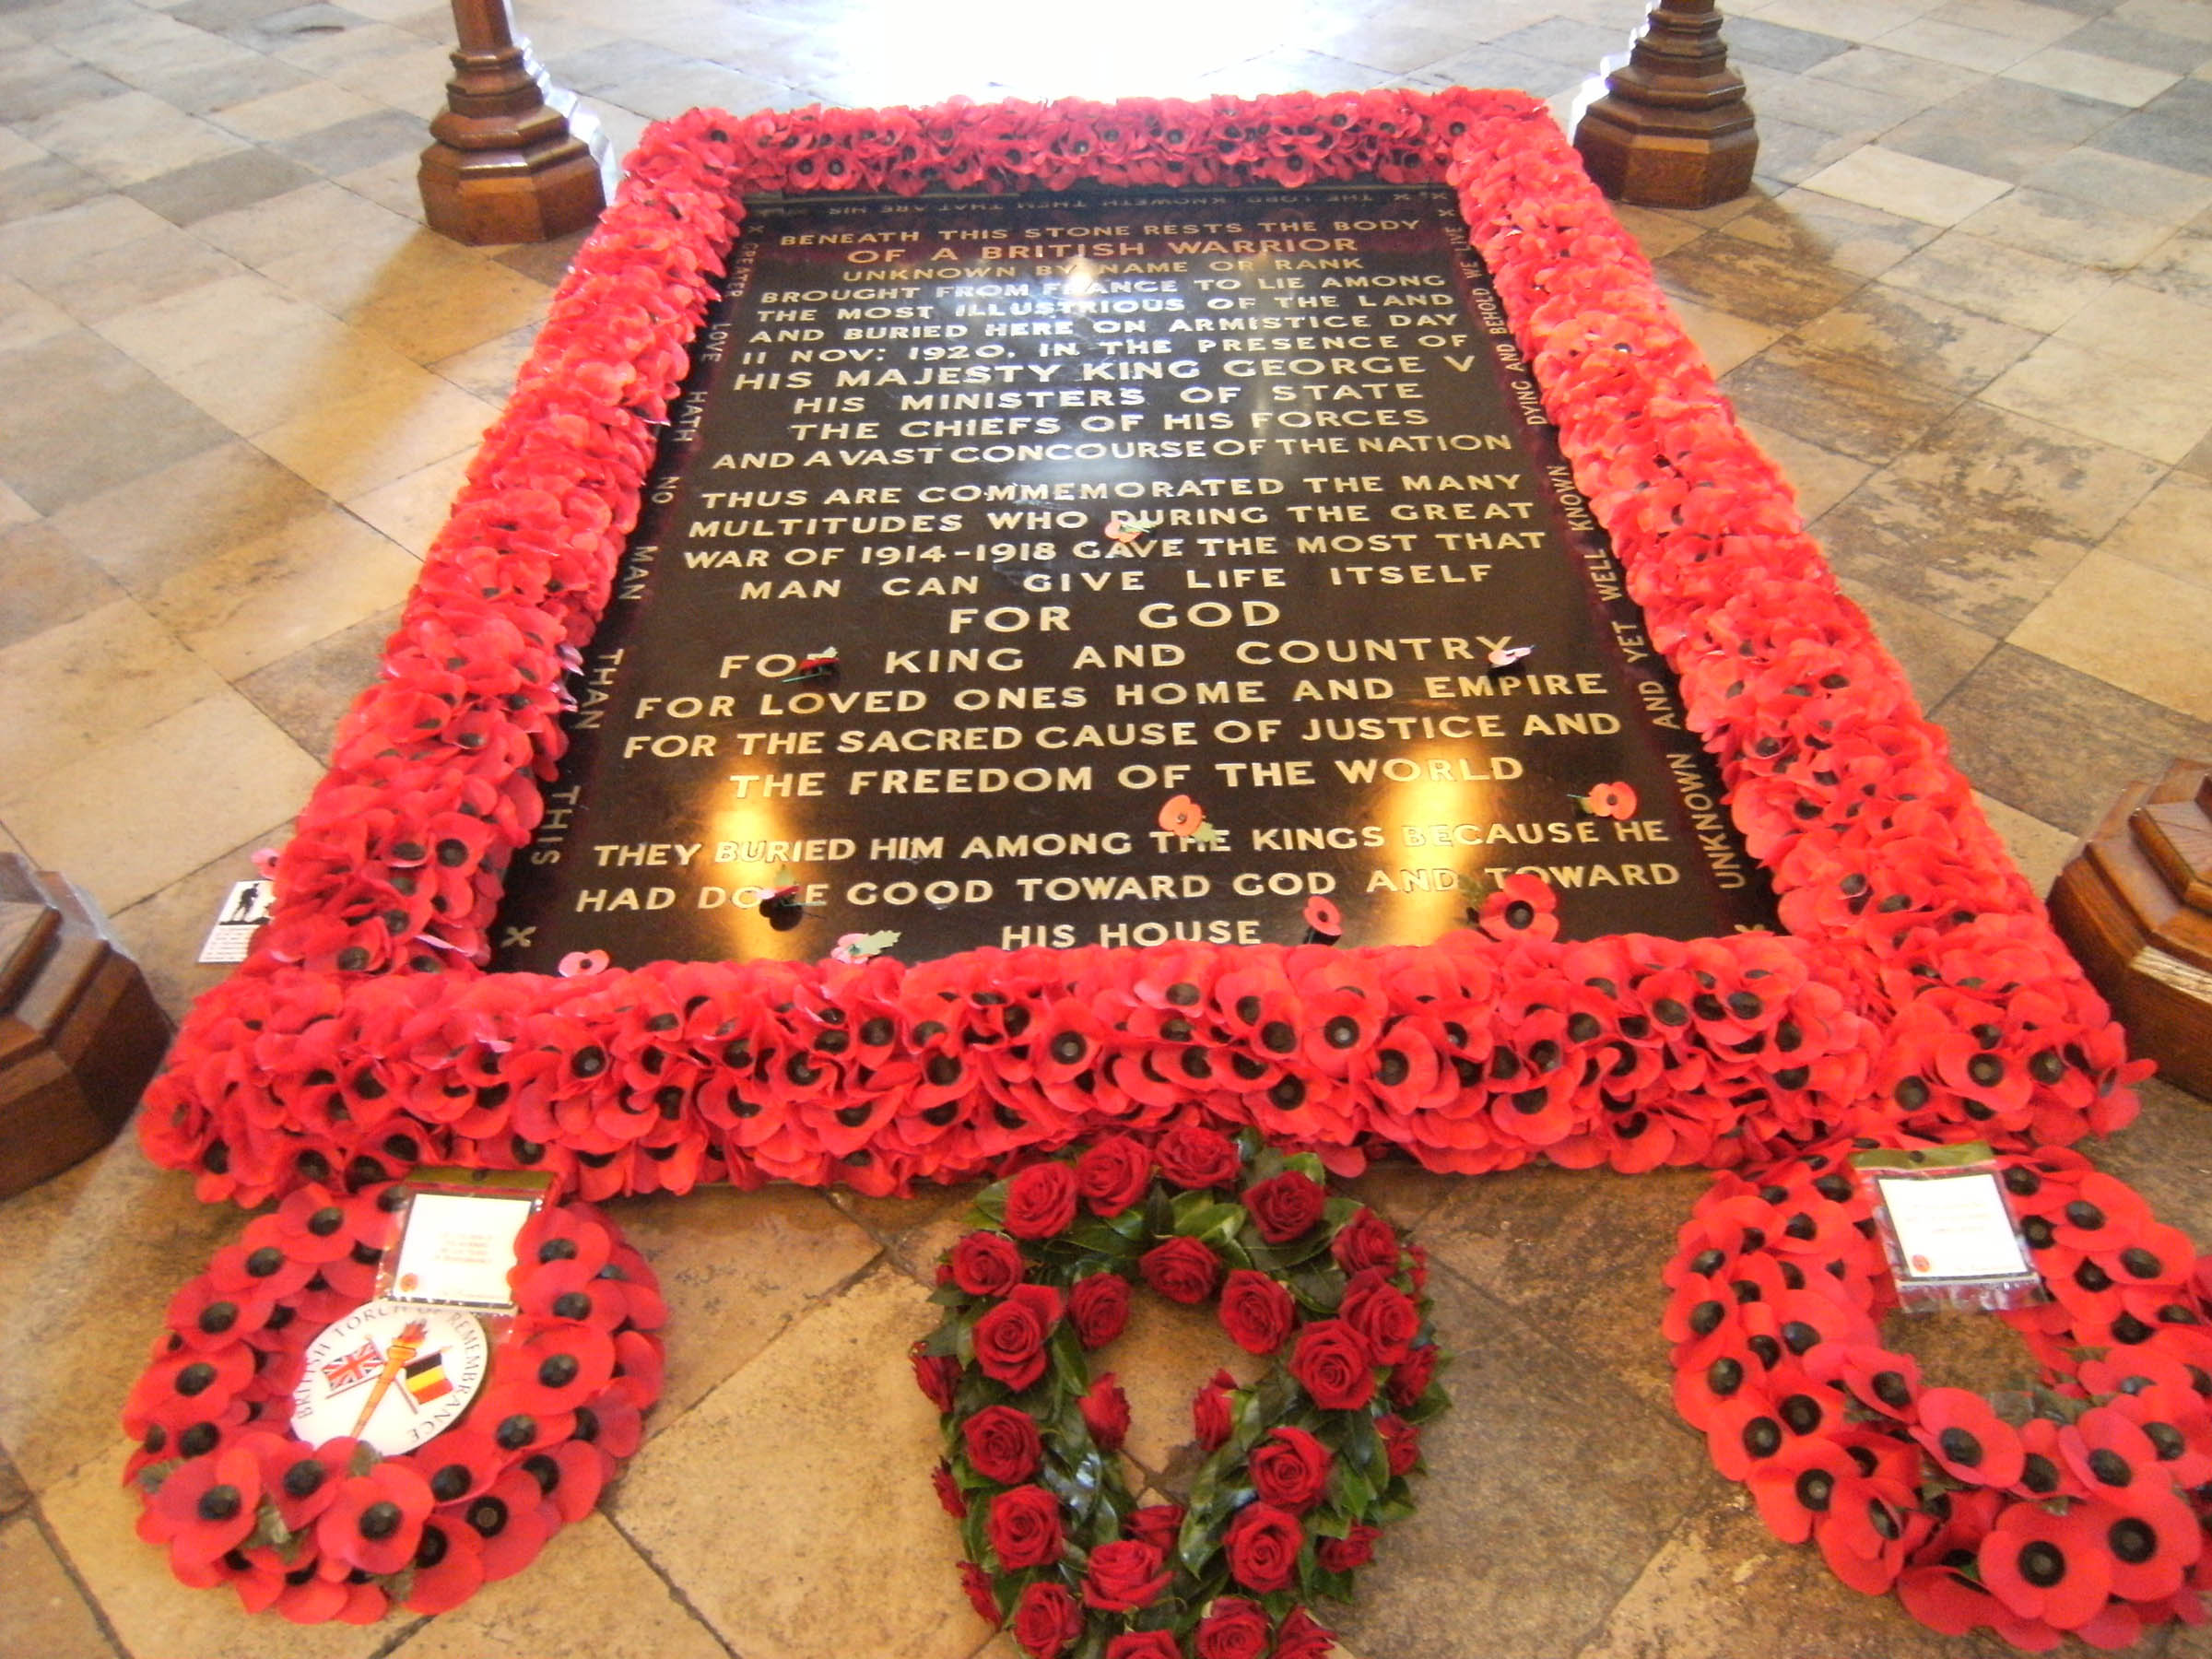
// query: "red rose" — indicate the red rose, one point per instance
point(1262, 1546)
point(1144, 1644)
point(948, 1492)
point(1106, 1413)
point(935, 1377)
point(1256, 1311)
point(1112, 1173)
point(1159, 1525)
point(1410, 1380)
point(1383, 1314)
point(1100, 1306)
point(1009, 1339)
point(1331, 1362)
point(1366, 1242)
point(1419, 1269)
point(1356, 1548)
point(1124, 1575)
point(1195, 1157)
point(1209, 1411)
point(1040, 1200)
point(1290, 1469)
point(1182, 1270)
point(1046, 1619)
point(1236, 1628)
point(1402, 1440)
point(1298, 1637)
point(987, 1263)
point(1003, 1444)
point(977, 1582)
point(1287, 1207)
point(1025, 1528)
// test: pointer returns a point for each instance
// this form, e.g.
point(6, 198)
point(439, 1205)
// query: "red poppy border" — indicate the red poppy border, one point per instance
point(1919, 990)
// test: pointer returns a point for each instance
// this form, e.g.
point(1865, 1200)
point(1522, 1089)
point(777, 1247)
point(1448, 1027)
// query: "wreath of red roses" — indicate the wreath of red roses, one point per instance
point(1921, 991)
point(337, 1531)
point(2079, 1511)
point(1306, 1467)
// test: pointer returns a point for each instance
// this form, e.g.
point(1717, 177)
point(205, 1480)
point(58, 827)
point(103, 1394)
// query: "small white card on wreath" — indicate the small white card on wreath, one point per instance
point(455, 1249)
point(1954, 1226)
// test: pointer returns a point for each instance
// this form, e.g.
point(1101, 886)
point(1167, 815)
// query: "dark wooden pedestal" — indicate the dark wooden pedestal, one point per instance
point(80, 1034)
point(1673, 129)
point(515, 159)
point(2135, 904)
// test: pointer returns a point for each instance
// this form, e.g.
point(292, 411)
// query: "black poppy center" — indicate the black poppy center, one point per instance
point(572, 1304)
point(379, 1519)
point(2132, 1539)
point(1891, 1389)
point(489, 1516)
point(2042, 1563)
point(559, 1370)
point(517, 1431)
point(1959, 1447)
point(2039, 1474)
point(1724, 1376)
point(1763, 1437)
point(449, 1482)
point(2110, 1468)
point(195, 1379)
point(1341, 1031)
point(1815, 1488)
point(433, 1549)
point(2081, 1213)
point(304, 1478)
point(220, 1503)
point(217, 1317)
point(268, 1259)
point(326, 1220)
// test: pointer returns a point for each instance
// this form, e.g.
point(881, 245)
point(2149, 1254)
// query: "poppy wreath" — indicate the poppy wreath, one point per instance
point(1920, 989)
point(337, 1531)
point(2078, 1512)
point(1305, 1467)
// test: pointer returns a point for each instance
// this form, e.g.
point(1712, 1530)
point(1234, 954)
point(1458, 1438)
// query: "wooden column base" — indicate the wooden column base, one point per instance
point(1671, 128)
point(515, 159)
point(80, 1034)
point(2135, 905)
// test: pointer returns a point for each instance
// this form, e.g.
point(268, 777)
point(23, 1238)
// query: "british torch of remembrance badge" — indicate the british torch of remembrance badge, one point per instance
point(389, 1373)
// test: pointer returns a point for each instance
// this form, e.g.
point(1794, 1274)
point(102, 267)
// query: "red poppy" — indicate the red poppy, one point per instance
point(513, 1520)
point(2052, 1568)
point(2153, 1539)
point(1323, 918)
point(1182, 816)
point(1970, 1440)
point(375, 1520)
point(449, 1566)
point(206, 1507)
point(558, 1369)
point(2110, 1454)
point(300, 1482)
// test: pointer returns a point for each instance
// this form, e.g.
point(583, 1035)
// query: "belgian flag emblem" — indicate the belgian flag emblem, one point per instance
point(425, 1379)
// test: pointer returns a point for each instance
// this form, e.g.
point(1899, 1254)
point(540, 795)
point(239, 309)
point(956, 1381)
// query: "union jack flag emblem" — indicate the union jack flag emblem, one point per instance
point(350, 1370)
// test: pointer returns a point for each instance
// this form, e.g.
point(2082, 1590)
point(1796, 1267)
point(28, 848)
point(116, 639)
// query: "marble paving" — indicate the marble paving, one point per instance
point(1968, 307)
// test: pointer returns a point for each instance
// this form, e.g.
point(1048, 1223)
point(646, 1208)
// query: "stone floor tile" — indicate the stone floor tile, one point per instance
point(804, 1477)
point(231, 317)
point(595, 68)
point(75, 382)
point(2130, 626)
point(411, 81)
point(1825, 104)
point(2128, 84)
point(1163, 1358)
point(2040, 24)
point(1934, 650)
point(1656, 233)
point(321, 217)
point(1851, 19)
point(205, 91)
point(2199, 460)
point(915, 1231)
point(2170, 140)
point(2057, 743)
point(93, 1513)
point(1909, 335)
point(2181, 266)
point(14, 1494)
point(1548, 1471)
point(2040, 850)
point(131, 137)
point(44, 581)
point(1820, 477)
point(412, 510)
point(33, 92)
point(227, 495)
point(2143, 325)
point(432, 305)
point(2030, 290)
point(737, 1270)
point(619, 1607)
point(15, 510)
point(238, 180)
point(251, 605)
point(27, 318)
point(37, 246)
point(691, 85)
point(2059, 482)
point(546, 261)
point(78, 684)
point(2067, 227)
point(1394, 49)
point(293, 361)
point(136, 814)
point(1497, 66)
point(15, 151)
point(1949, 43)
point(2156, 415)
point(164, 931)
point(1838, 402)
point(1823, 230)
point(138, 273)
point(392, 184)
point(357, 444)
point(46, 185)
point(2152, 48)
point(2183, 17)
point(1900, 183)
point(488, 371)
point(305, 108)
point(1977, 560)
point(1754, 282)
point(357, 142)
point(41, 1610)
point(1723, 341)
point(1916, 80)
point(1722, 1583)
point(307, 692)
point(1761, 40)
point(2171, 530)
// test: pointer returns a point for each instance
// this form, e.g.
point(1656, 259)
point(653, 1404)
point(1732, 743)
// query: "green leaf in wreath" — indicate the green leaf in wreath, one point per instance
point(155, 1476)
